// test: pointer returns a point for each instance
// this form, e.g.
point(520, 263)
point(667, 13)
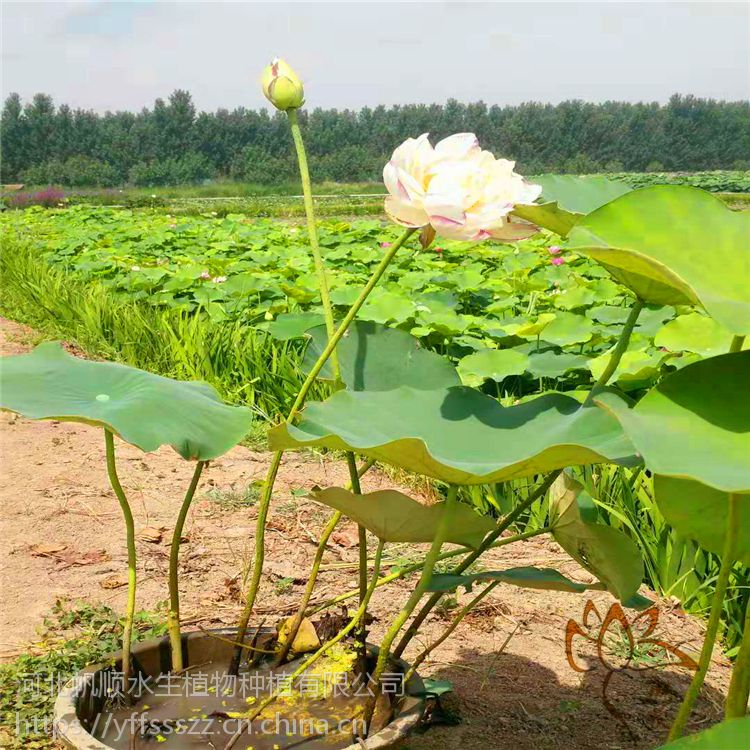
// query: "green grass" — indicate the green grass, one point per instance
point(244, 365)
point(73, 636)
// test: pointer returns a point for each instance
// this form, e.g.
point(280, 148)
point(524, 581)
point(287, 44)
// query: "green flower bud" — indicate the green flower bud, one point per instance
point(282, 87)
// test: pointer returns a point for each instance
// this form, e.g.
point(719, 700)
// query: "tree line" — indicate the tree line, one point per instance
point(173, 143)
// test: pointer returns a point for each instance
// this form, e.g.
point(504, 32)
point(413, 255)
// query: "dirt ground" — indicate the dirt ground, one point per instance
point(513, 685)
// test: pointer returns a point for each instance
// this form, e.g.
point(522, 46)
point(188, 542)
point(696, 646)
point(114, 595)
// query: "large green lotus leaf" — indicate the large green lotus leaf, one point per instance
point(732, 734)
point(695, 423)
point(566, 198)
point(675, 245)
point(394, 517)
point(459, 435)
point(373, 357)
point(700, 513)
point(143, 409)
point(546, 579)
point(492, 364)
point(603, 550)
point(694, 332)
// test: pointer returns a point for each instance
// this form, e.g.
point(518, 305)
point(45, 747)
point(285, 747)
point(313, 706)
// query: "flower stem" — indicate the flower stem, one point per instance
point(312, 232)
point(361, 637)
point(173, 616)
point(273, 469)
point(449, 630)
point(414, 567)
point(322, 651)
point(469, 560)
point(127, 632)
point(704, 661)
point(620, 349)
point(739, 686)
point(384, 652)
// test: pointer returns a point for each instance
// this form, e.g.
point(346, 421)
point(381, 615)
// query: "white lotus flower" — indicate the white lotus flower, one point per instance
point(465, 193)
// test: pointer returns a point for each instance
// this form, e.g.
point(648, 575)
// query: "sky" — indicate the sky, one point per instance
point(122, 55)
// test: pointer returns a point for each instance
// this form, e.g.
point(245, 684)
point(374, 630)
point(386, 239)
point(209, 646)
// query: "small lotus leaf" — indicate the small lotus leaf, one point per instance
point(459, 435)
point(695, 424)
point(603, 550)
point(395, 517)
point(376, 358)
point(674, 244)
point(143, 409)
point(547, 579)
point(694, 333)
point(291, 325)
point(492, 364)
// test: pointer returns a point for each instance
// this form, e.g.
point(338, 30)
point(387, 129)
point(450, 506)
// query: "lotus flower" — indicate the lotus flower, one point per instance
point(465, 193)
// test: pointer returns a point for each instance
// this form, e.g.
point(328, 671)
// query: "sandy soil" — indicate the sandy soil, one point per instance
point(513, 685)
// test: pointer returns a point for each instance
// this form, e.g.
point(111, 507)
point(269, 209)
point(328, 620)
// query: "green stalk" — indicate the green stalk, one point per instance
point(273, 469)
point(127, 632)
point(173, 616)
point(474, 556)
point(312, 232)
point(620, 349)
point(414, 567)
point(312, 579)
point(361, 637)
point(737, 344)
point(704, 661)
point(739, 686)
point(322, 651)
point(449, 630)
point(384, 652)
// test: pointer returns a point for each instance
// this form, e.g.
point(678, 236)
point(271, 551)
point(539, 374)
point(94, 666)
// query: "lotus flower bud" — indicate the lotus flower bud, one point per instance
point(282, 87)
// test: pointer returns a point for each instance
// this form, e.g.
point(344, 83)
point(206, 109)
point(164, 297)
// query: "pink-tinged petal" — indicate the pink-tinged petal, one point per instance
point(456, 146)
point(554, 250)
point(405, 214)
point(557, 261)
point(390, 178)
point(444, 221)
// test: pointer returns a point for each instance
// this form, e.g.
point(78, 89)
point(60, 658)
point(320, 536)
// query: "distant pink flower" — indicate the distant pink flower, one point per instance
point(205, 275)
point(219, 279)
point(557, 261)
point(554, 250)
point(385, 244)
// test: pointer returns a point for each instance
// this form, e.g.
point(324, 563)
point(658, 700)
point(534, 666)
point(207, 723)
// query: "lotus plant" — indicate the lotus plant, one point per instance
point(390, 401)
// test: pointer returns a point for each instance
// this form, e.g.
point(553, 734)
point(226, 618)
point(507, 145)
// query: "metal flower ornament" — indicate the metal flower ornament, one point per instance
point(459, 189)
point(622, 644)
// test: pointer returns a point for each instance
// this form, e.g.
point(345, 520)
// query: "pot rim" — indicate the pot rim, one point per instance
point(69, 729)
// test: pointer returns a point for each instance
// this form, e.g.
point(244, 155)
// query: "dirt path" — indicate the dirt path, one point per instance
point(513, 685)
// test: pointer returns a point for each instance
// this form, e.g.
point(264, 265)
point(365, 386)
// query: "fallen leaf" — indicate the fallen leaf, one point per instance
point(151, 534)
point(114, 581)
point(71, 557)
point(46, 550)
point(348, 538)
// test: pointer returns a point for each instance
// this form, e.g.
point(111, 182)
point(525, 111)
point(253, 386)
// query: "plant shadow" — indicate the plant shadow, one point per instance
point(509, 701)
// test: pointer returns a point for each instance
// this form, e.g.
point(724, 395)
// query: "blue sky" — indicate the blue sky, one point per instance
point(122, 55)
